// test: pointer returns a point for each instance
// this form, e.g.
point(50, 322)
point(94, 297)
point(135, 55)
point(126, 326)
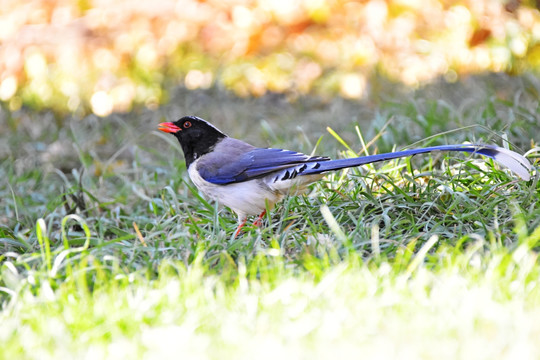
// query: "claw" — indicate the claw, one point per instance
point(240, 226)
point(258, 221)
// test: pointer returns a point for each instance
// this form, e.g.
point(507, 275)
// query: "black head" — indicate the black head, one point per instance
point(196, 136)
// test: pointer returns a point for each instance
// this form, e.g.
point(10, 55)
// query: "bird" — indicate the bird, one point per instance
point(250, 179)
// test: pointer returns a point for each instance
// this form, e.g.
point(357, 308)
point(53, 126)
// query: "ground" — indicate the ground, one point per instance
point(108, 251)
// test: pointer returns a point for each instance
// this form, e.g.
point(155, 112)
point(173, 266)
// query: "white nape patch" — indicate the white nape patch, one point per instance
point(206, 122)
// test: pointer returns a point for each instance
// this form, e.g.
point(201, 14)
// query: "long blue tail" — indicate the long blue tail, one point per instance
point(512, 160)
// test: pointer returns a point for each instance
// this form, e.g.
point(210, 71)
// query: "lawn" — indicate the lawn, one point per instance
point(108, 251)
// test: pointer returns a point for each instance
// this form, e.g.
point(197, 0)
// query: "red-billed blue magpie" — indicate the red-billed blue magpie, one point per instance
point(246, 178)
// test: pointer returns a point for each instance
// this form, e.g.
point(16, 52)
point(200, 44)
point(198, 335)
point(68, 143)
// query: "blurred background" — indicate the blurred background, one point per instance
point(107, 56)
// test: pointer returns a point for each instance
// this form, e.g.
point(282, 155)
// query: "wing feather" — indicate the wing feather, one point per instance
point(259, 162)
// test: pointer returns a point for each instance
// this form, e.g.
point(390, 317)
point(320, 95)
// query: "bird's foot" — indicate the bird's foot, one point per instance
point(239, 228)
point(258, 221)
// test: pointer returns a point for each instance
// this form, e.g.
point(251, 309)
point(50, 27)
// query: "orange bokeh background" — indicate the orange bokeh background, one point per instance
point(105, 56)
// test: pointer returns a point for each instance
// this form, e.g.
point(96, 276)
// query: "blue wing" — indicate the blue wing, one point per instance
point(259, 162)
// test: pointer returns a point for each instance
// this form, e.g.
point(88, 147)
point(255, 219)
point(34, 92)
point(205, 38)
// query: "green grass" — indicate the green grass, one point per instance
point(431, 257)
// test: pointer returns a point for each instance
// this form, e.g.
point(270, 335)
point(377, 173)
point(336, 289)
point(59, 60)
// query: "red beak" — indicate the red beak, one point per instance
point(169, 127)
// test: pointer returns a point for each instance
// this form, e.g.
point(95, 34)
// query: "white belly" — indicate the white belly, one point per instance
point(251, 197)
point(245, 198)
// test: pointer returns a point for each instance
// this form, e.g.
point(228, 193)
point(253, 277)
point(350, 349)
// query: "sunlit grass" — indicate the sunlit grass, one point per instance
point(479, 301)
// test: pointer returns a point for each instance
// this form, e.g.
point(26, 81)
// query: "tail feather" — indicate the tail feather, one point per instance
point(510, 159)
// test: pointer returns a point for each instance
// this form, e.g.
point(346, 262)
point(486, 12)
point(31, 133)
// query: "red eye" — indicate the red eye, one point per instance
point(187, 124)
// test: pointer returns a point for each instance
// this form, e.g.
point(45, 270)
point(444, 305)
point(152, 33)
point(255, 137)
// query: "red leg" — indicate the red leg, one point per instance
point(240, 226)
point(258, 222)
